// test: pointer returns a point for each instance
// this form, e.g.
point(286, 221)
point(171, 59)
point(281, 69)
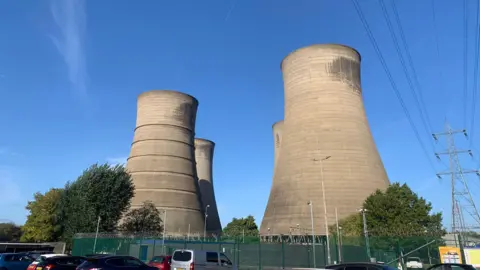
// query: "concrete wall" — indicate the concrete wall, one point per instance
point(162, 159)
point(324, 116)
point(204, 157)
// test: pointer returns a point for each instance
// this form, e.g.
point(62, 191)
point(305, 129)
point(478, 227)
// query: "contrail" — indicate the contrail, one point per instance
point(231, 9)
point(70, 18)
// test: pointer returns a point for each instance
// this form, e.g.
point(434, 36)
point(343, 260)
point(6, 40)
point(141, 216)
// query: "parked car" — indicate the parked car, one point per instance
point(60, 263)
point(112, 262)
point(42, 258)
point(183, 259)
point(161, 262)
point(14, 261)
point(451, 266)
point(360, 266)
point(414, 262)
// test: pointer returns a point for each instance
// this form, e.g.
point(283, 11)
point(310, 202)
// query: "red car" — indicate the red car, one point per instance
point(161, 262)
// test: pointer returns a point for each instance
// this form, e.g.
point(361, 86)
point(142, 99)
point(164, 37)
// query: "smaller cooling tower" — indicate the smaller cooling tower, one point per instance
point(277, 145)
point(162, 159)
point(204, 157)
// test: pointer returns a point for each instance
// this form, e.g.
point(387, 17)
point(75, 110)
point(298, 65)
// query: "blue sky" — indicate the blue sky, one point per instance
point(70, 72)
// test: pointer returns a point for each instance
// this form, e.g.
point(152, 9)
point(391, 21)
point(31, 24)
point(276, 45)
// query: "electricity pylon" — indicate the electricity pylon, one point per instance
point(461, 197)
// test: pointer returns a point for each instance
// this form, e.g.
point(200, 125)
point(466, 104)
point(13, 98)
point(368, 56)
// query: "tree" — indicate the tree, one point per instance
point(42, 224)
point(145, 219)
point(102, 191)
point(400, 212)
point(241, 227)
point(396, 217)
point(9, 232)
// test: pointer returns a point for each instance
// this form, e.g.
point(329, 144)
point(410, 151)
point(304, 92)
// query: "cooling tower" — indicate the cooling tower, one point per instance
point(162, 159)
point(325, 130)
point(204, 157)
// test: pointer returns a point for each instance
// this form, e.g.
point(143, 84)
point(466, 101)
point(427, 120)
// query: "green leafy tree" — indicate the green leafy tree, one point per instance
point(9, 232)
point(241, 227)
point(145, 219)
point(397, 219)
point(102, 191)
point(42, 224)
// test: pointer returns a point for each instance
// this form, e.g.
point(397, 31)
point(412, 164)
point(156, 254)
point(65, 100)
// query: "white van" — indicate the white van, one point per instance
point(187, 259)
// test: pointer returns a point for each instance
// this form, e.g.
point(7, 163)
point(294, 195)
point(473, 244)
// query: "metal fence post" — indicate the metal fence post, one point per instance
point(153, 250)
point(259, 254)
point(308, 256)
point(238, 256)
point(283, 253)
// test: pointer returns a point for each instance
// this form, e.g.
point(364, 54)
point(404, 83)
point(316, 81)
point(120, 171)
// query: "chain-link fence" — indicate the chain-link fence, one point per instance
point(256, 253)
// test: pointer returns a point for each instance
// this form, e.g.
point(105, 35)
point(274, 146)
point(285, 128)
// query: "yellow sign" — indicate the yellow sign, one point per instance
point(450, 255)
point(472, 256)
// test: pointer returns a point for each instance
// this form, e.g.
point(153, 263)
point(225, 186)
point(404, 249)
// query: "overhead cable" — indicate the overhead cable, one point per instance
point(390, 78)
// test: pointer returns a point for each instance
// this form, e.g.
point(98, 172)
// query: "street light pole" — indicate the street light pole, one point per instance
point(325, 207)
point(96, 235)
point(338, 237)
point(365, 231)
point(164, 229)
point(313, 235)
point(205, 225)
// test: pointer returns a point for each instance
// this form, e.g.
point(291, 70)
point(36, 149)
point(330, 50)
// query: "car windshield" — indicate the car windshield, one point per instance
point(182, 256)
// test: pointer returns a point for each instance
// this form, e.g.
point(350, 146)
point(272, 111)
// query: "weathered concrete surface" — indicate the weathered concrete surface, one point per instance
point(204, 157)
point(162, 159)
point(324, 116)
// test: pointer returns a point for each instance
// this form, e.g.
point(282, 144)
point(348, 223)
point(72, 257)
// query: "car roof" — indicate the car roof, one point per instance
point(52, 255)
point(355, 263)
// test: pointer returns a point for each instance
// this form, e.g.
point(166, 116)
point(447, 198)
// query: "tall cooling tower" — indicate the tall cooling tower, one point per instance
point(204, 157)
point(162, 159)
point(325, 126)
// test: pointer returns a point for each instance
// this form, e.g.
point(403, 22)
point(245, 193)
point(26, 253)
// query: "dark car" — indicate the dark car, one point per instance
point(111, 262)
point(360, 266)
point(60, 263)
point(161, 262)
point(451, 266)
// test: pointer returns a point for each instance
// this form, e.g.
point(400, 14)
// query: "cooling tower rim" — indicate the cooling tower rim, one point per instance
point(175, 92)
point(206, 141)
point(325, 45)
point(277, 123)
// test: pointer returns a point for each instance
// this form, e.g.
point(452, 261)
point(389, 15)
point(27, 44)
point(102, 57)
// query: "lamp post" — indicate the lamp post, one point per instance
point(205, 225)
point(365, 231)
point(313, 234)
point(340, 239)
point(338, 236)
point(325, 206)
point(164, 229)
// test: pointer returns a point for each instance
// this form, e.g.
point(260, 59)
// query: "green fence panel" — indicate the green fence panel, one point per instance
point(250, 253)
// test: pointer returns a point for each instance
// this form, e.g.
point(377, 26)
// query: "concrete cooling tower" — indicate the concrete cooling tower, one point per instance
point(325, 133)
point(162, 159)
point(277, 139)
point(204, 157)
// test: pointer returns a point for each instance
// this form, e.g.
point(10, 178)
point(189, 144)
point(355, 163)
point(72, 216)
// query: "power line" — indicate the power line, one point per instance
point(416, 94)
point(390, 78)
point(437, 47)
point(465, 61)
point(475, 76)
